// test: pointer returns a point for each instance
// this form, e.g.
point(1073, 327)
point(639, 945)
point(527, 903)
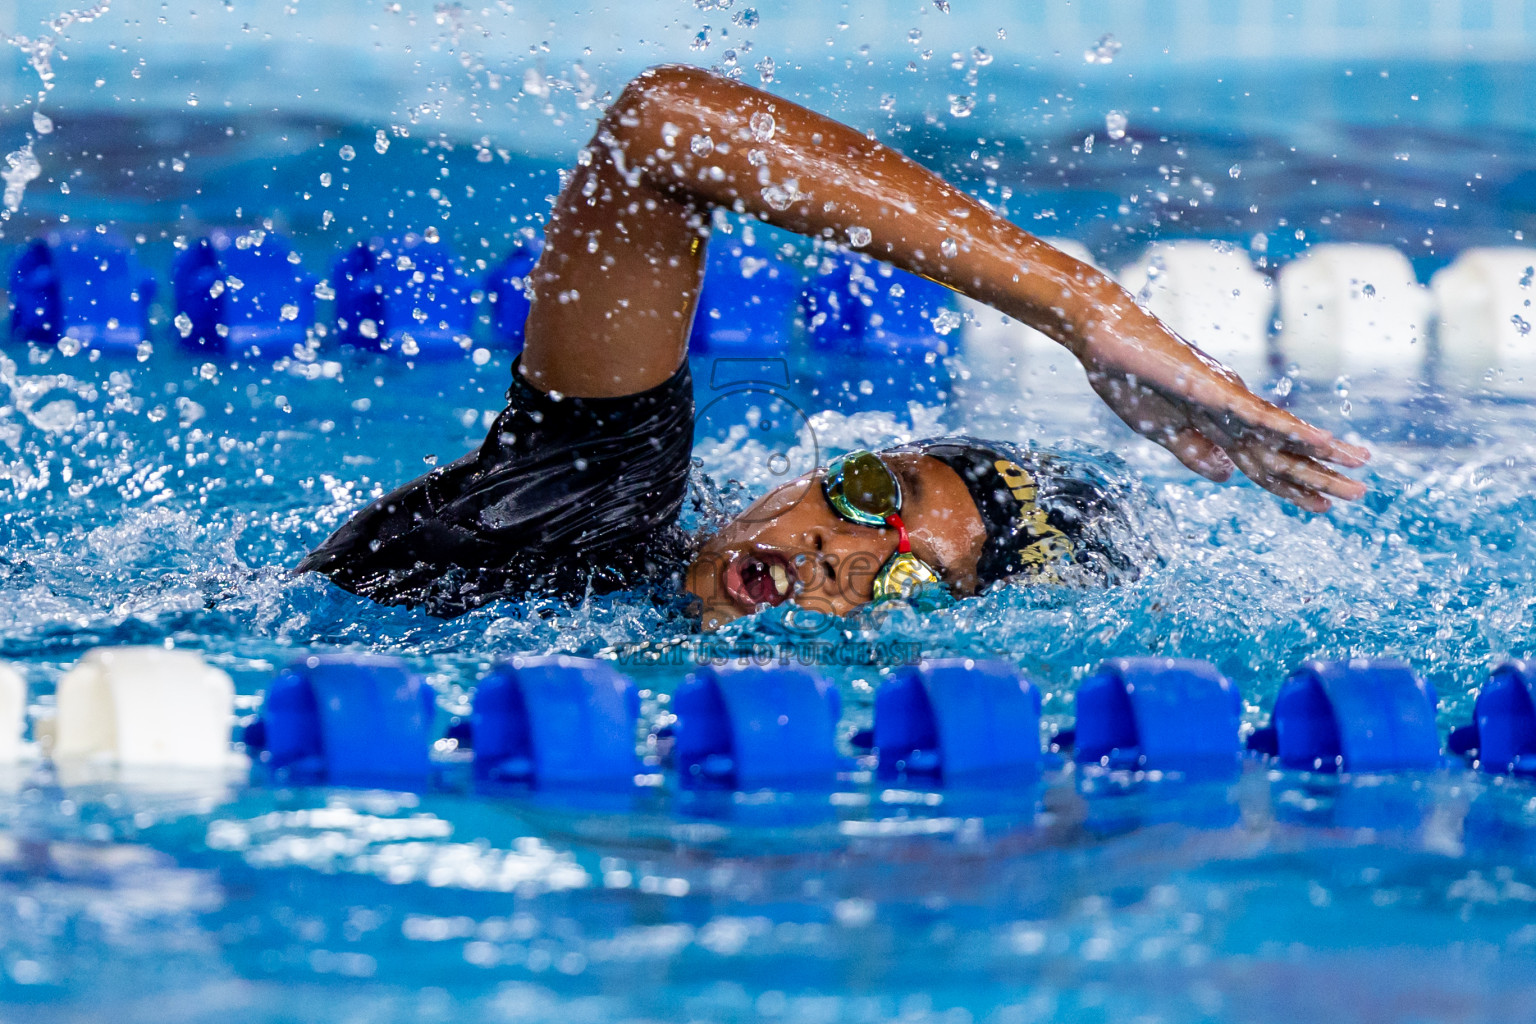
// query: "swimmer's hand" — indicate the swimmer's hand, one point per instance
point(1172, 393)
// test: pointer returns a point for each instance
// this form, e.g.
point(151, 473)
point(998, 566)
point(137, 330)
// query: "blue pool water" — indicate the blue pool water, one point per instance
point(163, 501)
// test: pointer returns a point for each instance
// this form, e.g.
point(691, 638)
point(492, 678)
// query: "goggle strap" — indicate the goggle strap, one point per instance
point(903, 542)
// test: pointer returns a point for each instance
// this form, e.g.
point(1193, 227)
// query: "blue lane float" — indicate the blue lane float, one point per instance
point(1353, 716)
point(347, 721)
point(1158, 714)
point(1503, 729)
point(239, 291)
point(859, 306)
point(955, 720)
point(81, 287)
point(555, 722)
point(407, 295)
point(506, 289)
point(746, 303)
point(893, 322)
point(746, 727)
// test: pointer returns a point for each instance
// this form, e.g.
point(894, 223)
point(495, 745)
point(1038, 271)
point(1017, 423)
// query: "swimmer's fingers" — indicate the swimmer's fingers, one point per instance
point(1198, 453)
point(1244, 412)
point(1297, 478)
point(1185, 441)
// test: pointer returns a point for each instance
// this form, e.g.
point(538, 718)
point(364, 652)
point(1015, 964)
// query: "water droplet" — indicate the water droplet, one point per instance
point(325, 179)
point(781, 197)
point(762, 126)
point(961, 106)
point(368, 329)
point(69, 345)
point(1088, 143)
point(746, 17)
point(859, 236)
point(408, 346)
point(915, 36)
point(942, 5)
point(430, 234)
point(946, 321)
point(702, 145)
point(949, 248)
point(1103, 51)
point(480, 356)
point(1114, 124)
point(208, 371)
point(324, 291)
point(380, 142)
point(980, 56)
point(1522, 325)
point(700, 41)
point(765, 69)
point(1235, 171)
point(183, 324)
point(41, 122)
point(290, 311)
point(346, 152)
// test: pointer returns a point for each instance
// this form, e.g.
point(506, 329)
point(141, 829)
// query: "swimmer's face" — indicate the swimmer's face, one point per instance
point(789, 546)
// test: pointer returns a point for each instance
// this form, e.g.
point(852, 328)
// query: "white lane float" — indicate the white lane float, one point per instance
point(1350, 309)
point(13, 714)
point(1487, 318)
point(1211, 294)
point(144, 706)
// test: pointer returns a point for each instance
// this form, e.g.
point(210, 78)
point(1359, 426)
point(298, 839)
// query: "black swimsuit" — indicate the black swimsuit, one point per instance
point(565, 497)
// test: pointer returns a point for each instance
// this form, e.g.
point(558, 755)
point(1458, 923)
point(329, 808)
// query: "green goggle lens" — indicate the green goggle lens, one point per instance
point(862, 489)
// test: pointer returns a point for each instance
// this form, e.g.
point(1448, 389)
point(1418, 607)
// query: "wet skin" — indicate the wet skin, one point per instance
point(614, 293)
point(790, 546)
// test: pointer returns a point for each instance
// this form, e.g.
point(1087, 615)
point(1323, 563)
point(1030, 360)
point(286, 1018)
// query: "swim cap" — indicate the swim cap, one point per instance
point(1047, 515)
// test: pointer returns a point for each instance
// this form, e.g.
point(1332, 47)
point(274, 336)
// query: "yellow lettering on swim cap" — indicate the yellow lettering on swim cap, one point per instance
point(1021, 485)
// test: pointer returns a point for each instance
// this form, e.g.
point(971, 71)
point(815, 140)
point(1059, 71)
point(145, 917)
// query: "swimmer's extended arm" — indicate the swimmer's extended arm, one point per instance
point(615, 290)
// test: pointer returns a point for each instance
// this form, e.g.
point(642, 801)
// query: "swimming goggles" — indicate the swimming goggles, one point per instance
point(862, 489)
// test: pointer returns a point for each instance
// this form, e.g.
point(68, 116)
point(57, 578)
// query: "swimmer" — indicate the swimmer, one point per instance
point(579, 483)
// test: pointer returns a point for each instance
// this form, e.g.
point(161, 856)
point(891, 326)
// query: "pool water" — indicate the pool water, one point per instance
point(164, 501)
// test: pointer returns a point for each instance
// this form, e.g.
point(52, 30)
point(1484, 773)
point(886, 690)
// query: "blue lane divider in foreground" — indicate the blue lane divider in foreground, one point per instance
point(348, 720)
point(81, 286)
point(750, 727)
point(568, 722)
point(957, 719)
point(556, 721)
point(241, 290)
point(1503, 729)
point(407, 293)
point(1353, 716)
point(1158, 714)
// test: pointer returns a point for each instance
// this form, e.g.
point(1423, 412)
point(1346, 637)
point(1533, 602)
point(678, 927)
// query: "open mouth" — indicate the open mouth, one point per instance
point(756, 578)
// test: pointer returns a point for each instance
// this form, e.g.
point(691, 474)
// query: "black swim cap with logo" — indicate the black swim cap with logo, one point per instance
point(1048, 515)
